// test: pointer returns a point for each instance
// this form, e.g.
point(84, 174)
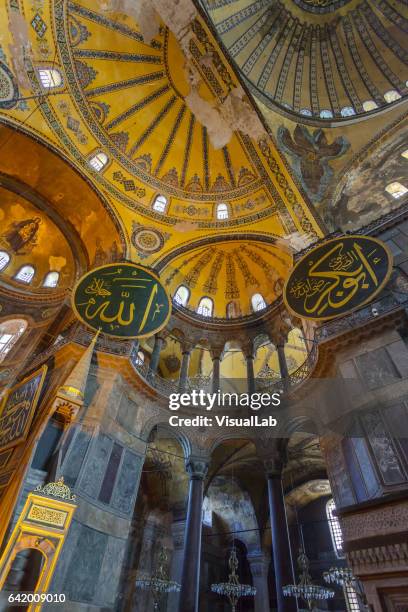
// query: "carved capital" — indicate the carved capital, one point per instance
point(197, 468)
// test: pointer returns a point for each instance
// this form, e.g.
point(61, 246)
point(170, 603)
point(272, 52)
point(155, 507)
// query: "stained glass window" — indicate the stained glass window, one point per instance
point(50, 77)
point(25, 274)
point(4, 259)
point(205, 307)
point(257, 301)
point(160, 204)
point(51, 279)
point(181, 296)
point(10, 332)
point(222, 211)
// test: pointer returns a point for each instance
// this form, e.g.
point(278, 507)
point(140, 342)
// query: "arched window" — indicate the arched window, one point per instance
point(182, 295)
point(10, 332)
point(369, 105)
point(347, 111)
point(404, 154)
point(51, 279)
point(140, 358)
point(160, 204)
point(392, 96)
point(98, 161)
point(25, 274)
point(306, 112)
point(4, 259)
point(205, 307)
point(397, 190)
point(50, 78)
point(326, 114)
point(337, 539)
point(334, 526)
point(257, 301)
point(222, 212)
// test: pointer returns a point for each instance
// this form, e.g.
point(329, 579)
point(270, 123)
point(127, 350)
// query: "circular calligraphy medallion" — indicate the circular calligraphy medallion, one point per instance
point(8, 88)
point(123, 300)
point(147, 240)
point(337, 277)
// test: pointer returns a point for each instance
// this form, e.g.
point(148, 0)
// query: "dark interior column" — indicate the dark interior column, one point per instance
point(190, 577)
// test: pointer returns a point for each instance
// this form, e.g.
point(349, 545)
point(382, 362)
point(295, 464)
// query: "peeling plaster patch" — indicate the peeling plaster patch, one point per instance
point(221, 119)
point(20, 49)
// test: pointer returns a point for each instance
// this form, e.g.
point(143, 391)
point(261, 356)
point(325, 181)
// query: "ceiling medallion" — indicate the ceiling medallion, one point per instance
point(147, 240)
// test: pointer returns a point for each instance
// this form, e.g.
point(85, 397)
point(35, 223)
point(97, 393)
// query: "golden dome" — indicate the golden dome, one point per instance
point(317, 59)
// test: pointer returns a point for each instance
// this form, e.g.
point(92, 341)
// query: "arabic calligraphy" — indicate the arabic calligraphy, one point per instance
point(18, 409)
point(338, 277)
point(122, 300)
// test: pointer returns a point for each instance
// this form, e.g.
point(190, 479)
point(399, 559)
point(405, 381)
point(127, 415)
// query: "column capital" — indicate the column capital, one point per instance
point(216, 352)
point(273, 466)
point(197, 467)
point(259, 563)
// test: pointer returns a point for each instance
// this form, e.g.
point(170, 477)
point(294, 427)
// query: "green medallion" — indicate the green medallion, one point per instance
point(123, 300)
point(337, 277)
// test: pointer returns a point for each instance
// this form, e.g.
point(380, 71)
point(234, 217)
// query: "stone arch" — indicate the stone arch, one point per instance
point(183, 440)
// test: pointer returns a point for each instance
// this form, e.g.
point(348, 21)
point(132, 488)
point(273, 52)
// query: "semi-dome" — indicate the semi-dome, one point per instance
point(317, 60)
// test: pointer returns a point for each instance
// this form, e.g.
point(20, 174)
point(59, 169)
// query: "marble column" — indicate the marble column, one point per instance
point(250, 373)
point(282, 555)
point(155, 357)
point(283, 366)
point(183, 379)
point(215, 383)
point(190, 576)
point(178, 530)
point(259, 564)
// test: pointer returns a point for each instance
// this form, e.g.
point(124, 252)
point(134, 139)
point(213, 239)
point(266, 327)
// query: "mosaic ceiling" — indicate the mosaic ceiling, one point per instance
point(169, 118)
point(230, 273)
point(317, 59)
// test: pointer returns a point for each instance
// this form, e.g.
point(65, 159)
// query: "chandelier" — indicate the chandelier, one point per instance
point(344, 577)
point(233, 589)
point(158, 584)
point(305, 589)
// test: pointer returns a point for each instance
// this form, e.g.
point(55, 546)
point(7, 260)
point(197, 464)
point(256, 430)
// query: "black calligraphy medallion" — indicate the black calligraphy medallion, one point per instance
point(17, 410)
point(123, 300)
point(337, 277)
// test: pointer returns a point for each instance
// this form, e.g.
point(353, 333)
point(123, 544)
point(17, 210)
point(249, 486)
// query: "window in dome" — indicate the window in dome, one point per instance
point(50, 78)
point(4, 259)
point(10, 332)
point(369, 105)
point(392, 96)
point(326, 114)
point(404, 154)
point(51, 279)
point(306, 112)
point(98, 161)
point(205, 307)
point(222, 212)
point(182, 295)
point(25, 274)
point(396, 190)
point(347, 111)
point(160, 204)
point(257, 301)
